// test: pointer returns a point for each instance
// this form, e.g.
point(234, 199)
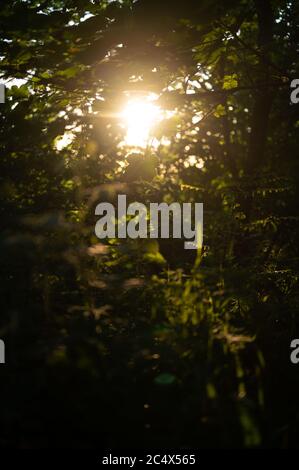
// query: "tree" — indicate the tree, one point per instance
point(145, 339)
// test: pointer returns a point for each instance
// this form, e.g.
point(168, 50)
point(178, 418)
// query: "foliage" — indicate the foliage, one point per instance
point(138, 342)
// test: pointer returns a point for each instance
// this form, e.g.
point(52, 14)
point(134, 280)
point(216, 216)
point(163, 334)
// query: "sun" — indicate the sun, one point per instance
point(139, 116)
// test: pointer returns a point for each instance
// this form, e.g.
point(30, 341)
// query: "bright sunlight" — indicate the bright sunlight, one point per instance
point(140, 115)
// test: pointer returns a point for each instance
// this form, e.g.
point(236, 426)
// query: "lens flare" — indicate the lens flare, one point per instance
point(140, 115)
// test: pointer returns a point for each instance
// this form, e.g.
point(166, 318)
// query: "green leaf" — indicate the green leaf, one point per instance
point(230, 82)
point(165, 379)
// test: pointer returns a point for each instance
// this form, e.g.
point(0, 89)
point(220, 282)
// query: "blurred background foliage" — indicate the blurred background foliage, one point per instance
point(140, 342)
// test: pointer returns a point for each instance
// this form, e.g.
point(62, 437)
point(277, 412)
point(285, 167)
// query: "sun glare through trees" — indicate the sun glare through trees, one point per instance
point(140, 116)
point(149, 243)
